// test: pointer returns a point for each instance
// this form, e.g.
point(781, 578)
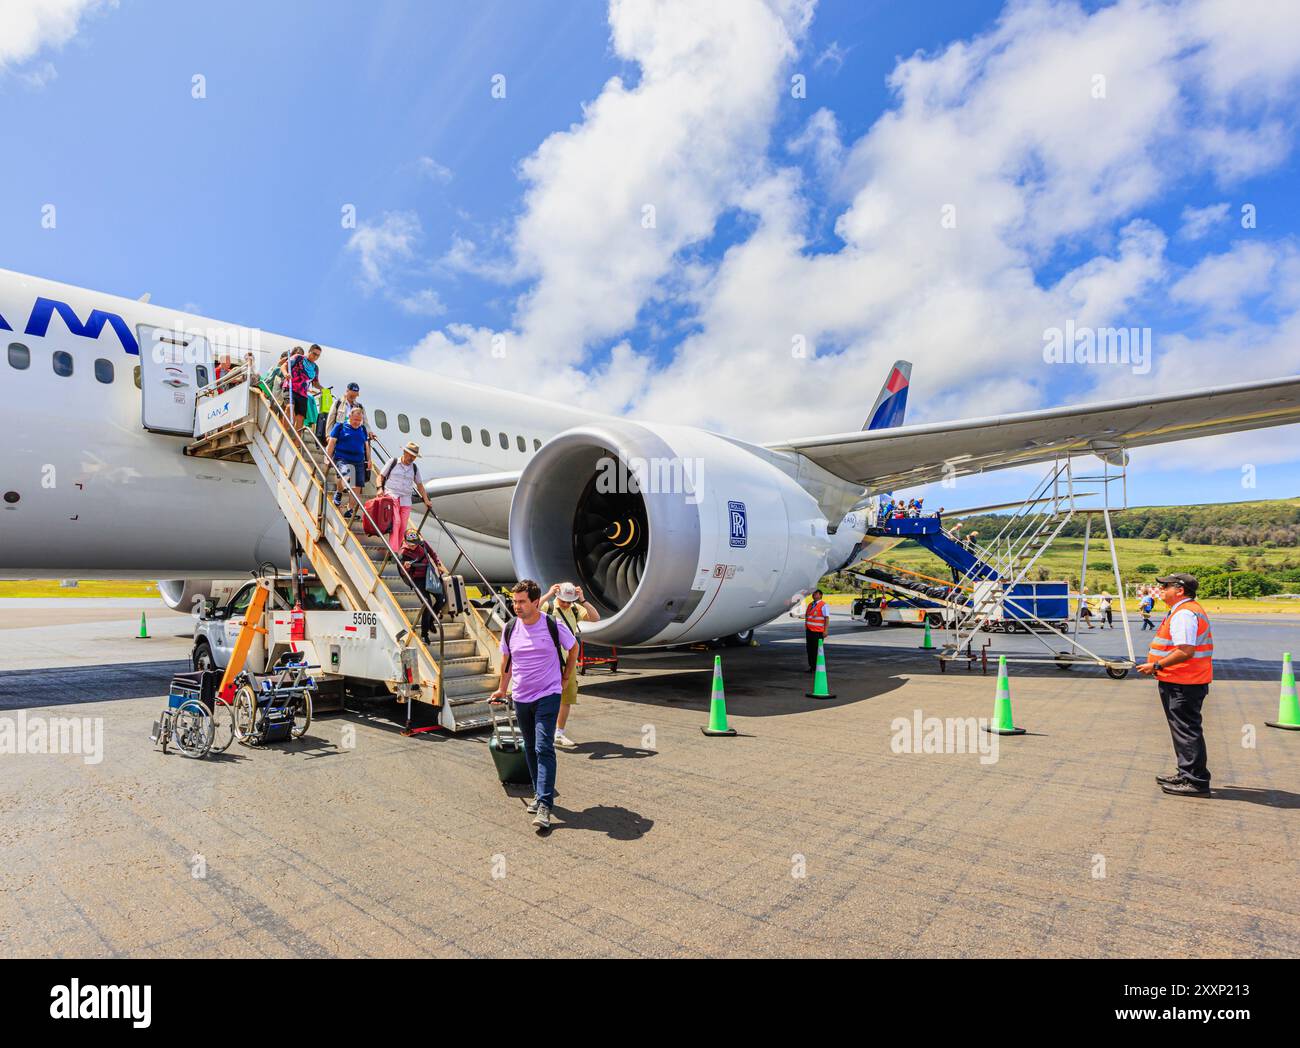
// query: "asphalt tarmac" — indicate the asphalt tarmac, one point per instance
point(824, 828)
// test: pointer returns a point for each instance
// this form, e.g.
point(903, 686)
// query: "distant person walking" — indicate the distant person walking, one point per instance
point(816, 618)
point(1182, 660)
point(1085, 610)
point(1104, 606)
point(570, 605)
point(533, 649)
point(1147, 602)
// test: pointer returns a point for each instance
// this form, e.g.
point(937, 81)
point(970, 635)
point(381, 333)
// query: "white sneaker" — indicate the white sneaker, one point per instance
point(564, 742)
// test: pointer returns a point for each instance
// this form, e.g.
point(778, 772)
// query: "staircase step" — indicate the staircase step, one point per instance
point(454, 651)
point(466, 665)
point(470, 684)
point(471, 718)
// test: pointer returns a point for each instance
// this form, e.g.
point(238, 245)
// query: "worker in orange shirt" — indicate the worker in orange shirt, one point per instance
point(815, 619)
point(1182, 660)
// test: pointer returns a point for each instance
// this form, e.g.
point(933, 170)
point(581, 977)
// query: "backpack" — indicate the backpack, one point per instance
point(551, 627)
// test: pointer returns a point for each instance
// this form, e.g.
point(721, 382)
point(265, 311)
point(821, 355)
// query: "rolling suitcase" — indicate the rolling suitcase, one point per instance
point(453, 588)
point(507, 749)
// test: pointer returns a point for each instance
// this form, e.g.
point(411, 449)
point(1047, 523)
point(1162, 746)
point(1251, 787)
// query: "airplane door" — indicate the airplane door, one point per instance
point(173, 366)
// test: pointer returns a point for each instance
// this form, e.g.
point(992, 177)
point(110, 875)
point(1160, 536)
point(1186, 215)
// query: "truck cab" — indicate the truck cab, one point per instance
point(218, 626)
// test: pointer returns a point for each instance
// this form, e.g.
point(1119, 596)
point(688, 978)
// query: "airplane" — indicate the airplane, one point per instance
point(677, 534)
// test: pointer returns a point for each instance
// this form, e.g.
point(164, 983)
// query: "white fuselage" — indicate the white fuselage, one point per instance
point(98, 495)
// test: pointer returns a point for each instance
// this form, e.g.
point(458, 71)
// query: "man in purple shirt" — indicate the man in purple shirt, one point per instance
point(533, 647)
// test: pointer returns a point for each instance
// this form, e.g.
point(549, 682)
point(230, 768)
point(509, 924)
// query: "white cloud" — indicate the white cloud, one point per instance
point(432, 170)
point(380, 246)
point(1197, 221)
point(426, 303)
point(1007, 131)
point(28, 27)
point(1220, 283)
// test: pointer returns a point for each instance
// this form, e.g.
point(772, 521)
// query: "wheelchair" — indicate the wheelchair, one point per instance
point(195, 721)
point(277, 705)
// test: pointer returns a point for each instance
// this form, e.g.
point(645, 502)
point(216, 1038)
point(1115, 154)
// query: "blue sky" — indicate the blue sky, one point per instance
point(783, 216)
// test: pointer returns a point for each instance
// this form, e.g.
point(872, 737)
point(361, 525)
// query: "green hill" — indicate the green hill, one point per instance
point(1254, 544)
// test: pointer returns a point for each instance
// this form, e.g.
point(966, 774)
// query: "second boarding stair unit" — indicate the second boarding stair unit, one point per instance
point(236, 420)
point(995, 572)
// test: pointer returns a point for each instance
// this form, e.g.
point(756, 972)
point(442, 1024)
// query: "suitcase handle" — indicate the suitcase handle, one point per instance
point(510, 719)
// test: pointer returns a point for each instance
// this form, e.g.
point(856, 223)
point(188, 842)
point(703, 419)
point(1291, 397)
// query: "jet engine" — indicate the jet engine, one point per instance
point(674, 534)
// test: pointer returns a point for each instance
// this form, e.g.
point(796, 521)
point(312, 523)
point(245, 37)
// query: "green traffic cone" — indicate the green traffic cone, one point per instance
point(927, 644)
point(820, 690)
point(718, 704)
point(1288, 706)
point(144, 629)
point(1002, 722)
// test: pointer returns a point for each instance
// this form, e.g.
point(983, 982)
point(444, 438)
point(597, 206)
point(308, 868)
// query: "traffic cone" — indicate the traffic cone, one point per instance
point(1002, 722)
point(144, 629)
point(820, 690)
point(927, 644)
point(1288, 706)
point(718, 704)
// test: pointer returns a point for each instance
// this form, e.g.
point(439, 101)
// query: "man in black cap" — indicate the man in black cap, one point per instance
point(1182, 660)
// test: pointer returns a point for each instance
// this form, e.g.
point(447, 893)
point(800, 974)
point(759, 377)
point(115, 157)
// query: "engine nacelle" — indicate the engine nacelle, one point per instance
point(182, 594)
point(675, 534)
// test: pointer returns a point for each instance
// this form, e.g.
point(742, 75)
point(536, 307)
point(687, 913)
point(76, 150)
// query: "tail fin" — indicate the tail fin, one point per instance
point(891, 405)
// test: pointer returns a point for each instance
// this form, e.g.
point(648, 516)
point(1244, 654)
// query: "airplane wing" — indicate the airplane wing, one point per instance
point(892, 459)
point(467, 485)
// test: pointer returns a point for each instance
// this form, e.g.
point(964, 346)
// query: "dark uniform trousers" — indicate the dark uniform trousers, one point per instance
point(811, 640)
point(1182, 703)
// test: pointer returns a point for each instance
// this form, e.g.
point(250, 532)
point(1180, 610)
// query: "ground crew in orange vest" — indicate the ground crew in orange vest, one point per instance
point(815, 618)
point(1182, 660)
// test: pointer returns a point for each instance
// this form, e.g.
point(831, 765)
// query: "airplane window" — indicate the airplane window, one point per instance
point(523, 444)
point(425, 428)
point(62, 363)
point(537, 445)
point(381, 420)
point(466, 435)
point(104, 370)
point(135, 376)
point(505, 442)
point(487, 437)
point(20, 356)
point(446, 431)
point(201, 373)
point(404, 423)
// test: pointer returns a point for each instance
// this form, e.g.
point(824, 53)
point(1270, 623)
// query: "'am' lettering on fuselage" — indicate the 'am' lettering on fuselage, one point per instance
point(38, 324)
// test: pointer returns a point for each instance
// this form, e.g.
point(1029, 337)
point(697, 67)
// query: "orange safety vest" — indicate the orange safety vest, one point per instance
point(1199, 669)
point(815, 618)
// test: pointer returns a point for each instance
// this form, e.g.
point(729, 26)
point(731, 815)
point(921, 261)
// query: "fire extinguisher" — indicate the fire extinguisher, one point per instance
point(297, 623)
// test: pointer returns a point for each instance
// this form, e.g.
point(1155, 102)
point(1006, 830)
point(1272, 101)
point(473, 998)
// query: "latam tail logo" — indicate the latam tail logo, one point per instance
point(45, 308)
point(891, 404)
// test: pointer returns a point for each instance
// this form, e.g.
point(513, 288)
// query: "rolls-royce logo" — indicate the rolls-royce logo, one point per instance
point(739, 527)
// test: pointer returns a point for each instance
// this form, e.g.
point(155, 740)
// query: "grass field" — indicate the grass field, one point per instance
point(88, 588)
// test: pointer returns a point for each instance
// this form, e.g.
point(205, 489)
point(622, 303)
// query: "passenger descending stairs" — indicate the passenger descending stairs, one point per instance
point(457, 675)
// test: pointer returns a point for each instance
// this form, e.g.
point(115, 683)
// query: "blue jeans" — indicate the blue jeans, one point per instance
point(537, 725)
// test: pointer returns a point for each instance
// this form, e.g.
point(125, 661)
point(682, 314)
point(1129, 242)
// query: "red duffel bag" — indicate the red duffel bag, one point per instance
point(381, 509)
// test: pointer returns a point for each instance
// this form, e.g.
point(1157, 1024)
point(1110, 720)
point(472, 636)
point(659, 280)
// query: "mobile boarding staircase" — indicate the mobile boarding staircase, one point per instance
point(993, 570)
point(455, 674)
